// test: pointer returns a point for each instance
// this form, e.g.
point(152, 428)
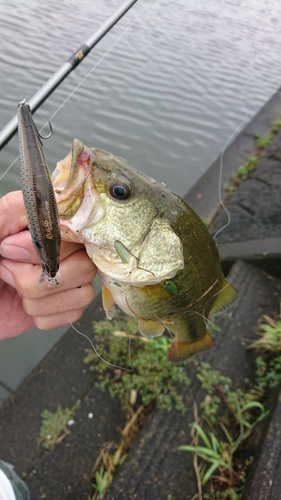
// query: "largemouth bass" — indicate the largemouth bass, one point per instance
point(155, 257)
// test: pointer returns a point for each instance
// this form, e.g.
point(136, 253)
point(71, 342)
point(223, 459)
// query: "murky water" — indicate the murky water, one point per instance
point(165, 89)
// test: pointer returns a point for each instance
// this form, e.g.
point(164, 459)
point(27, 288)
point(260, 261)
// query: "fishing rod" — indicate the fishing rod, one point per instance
point(73, 61)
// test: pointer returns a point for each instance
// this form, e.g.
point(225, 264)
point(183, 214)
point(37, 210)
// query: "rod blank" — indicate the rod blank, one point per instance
point(74, 60)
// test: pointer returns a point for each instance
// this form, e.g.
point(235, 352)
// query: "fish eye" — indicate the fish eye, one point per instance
point(120, 190)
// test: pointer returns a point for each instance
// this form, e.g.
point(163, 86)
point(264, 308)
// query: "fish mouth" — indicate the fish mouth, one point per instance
point(72, 171)
point(75, 193)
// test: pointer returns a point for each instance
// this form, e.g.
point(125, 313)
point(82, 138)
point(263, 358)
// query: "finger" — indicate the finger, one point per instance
point(19, 247)
point(76, 270)
point(50, 322)
point(13, 318)
point(12, 214)
point(61, 302)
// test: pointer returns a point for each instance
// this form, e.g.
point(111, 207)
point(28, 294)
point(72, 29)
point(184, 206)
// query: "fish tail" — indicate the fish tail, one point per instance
point(224, 298)
point(180, 351)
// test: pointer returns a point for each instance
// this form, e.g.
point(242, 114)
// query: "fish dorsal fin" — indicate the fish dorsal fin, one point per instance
point(225, 297)
point(108, 302)
point(150, 328)
point(180, 351)
point(161, 253)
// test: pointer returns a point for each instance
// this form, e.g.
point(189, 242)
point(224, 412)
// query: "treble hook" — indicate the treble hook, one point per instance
point(23, 102)
point(47, 136)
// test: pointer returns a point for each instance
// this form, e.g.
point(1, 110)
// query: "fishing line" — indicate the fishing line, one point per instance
point(9, 168)
point(98, 63)
point(85, 77)
point(130, 370)
point(206, 320)
point(232, 136)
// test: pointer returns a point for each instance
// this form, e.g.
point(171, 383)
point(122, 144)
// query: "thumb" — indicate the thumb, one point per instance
point(12, 214)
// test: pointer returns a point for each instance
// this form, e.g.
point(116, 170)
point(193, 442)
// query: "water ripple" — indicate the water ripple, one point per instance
point(174, 87)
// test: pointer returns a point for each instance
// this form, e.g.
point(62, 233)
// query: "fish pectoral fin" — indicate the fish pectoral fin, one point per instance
point(150, 328)
point(180, 351)
point(225, 297)
point(108, 302)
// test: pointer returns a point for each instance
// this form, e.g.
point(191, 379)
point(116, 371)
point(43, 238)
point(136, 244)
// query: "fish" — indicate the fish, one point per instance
point(39, 199)
point(155, 257)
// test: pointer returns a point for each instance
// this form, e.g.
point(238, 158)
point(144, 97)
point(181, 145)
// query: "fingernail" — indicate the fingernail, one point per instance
point(14, 252)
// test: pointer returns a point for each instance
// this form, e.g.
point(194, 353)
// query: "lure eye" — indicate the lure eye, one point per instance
point(120, 190)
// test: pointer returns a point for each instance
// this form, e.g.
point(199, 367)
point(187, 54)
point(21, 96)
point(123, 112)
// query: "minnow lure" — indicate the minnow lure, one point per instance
point(39, 198)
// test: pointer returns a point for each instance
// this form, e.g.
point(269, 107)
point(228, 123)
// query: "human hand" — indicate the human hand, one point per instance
point(22, 304)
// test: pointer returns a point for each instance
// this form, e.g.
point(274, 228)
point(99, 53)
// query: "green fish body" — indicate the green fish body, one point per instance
point(155, 257)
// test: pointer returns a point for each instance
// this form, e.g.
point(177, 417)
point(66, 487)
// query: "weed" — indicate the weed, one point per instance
point(268, 346)
point(217, 453)
point(263, 141)
point(269, 331)
point(229, 188)
point(154, 380)
point(54, 426)
point(241, 173)
point(276, 126)
point(109, 461)
point(250, 163)
point(231, 416)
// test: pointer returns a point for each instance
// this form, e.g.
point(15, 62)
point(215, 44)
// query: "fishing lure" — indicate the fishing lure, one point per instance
point(39, 198)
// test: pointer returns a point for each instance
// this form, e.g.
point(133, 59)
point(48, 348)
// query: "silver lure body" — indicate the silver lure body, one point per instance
point(39, 198)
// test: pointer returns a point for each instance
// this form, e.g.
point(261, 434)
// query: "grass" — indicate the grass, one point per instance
point(241, 173)
point(269, 331)
point(262, 142)
point(153, 381)
point(110, 459)
point(229, 417)
point(268, 349)
point(54, 427)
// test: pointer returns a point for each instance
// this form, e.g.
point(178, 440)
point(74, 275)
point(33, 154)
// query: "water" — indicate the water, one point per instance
point(179, 78)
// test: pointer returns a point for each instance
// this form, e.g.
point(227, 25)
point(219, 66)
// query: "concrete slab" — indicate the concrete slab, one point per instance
point(203, 197)
point(60, 379)
point(269, 248)
point(266, 483)
point(155, 467)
